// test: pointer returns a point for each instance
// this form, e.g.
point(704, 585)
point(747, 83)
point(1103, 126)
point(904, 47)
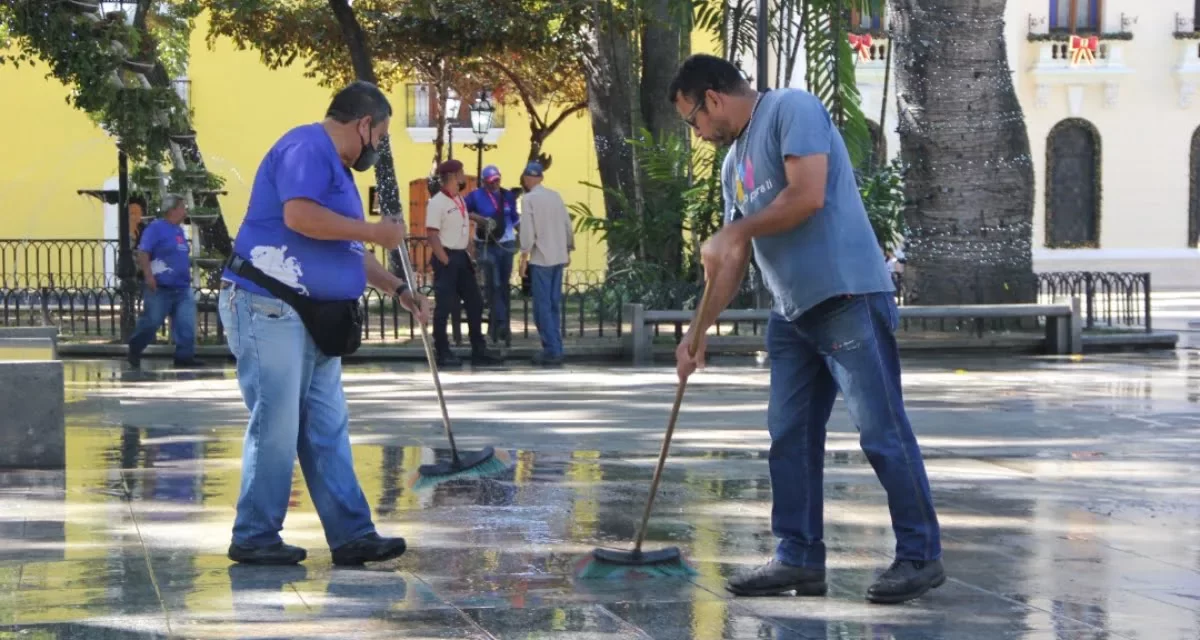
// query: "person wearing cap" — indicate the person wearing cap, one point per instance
point(448, 226)
point(546, 245)
point(164, 255)
point(495, 212)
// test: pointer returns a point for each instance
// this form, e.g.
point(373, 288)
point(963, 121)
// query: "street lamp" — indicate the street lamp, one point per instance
point(482, 111)
point(129, 7)
point(453, 104)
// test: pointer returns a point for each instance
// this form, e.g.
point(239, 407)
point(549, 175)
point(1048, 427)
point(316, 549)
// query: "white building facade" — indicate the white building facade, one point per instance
point(1109, 93)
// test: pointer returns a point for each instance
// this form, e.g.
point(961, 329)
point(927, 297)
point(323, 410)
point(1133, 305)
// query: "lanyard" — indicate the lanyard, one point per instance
point(459, 202)
point(499, 209)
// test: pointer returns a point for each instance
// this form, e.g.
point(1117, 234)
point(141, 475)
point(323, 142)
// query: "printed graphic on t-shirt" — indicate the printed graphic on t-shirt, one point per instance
point(158, 267)
point(275, 262)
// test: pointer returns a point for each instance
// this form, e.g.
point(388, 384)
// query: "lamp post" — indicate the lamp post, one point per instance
point(482, 111)
point(453, 104)
point(764, 49)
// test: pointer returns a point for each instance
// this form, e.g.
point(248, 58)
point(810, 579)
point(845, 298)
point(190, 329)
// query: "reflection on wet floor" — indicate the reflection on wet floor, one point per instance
point(1067, 491)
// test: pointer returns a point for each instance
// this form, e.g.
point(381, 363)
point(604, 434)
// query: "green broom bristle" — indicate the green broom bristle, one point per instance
point(494, 466)
point(592, 569)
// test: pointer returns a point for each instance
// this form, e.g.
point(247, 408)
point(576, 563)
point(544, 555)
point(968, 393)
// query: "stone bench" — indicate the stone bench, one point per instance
point(32, 421)
point(1064, 322)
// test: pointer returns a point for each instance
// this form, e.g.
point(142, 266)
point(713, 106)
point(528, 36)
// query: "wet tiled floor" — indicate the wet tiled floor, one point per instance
point(1067, 489)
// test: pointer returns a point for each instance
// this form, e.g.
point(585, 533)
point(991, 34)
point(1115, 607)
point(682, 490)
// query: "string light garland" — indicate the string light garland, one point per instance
point(969, 171)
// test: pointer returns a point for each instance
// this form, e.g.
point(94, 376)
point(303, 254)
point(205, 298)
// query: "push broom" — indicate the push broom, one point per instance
point(615, 563)
point(466, 465)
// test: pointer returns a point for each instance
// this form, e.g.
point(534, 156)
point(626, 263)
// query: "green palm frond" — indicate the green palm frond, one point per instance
point(830, 73)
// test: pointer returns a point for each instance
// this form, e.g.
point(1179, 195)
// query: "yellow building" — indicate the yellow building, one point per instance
point(241, 107)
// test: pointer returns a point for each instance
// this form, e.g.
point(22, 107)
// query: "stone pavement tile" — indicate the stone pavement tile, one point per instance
point(123, 567)
point(67, 605)
point(425, 624)
point(586, 622)
point(96, 628)
point(1125, 614)
point(713, 619)
point(360, 593)
point(547, 590)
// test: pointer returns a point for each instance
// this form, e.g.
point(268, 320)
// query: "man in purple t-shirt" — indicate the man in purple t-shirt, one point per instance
point(305, 228)
point(164, 256)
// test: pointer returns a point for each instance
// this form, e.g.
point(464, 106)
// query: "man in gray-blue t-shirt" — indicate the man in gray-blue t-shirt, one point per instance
point(790, 192)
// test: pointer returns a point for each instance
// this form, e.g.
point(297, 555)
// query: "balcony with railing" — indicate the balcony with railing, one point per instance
point(1187, 35)
point(1073, 49)
point(421, 115)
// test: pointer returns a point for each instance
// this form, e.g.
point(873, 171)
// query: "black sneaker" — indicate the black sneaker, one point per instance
point(189, 363)
point(134, 360)
point(543, 360)
point(449, 361)
point(906, 580)
point(775, 578)
point(278, 553)
point(369, 548)
point(485, 358)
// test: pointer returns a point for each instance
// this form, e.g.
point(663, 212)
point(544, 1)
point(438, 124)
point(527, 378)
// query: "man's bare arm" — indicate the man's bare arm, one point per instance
point(435, 245)
point(803, 196)
point(319, 223)
point(378, 276)
point(721, 288)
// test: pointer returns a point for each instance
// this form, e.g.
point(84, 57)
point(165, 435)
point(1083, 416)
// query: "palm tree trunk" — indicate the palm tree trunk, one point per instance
point(962, 133)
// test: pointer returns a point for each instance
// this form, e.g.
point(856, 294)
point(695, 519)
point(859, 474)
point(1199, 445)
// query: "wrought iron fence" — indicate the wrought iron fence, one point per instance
point(69, 283)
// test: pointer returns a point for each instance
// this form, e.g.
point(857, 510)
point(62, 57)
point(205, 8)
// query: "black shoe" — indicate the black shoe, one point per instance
point(134, 360)
point(775, 578)
point(906, 580)
point(278, 553)
point(485, 358)
point(189, 363)
point(369, 548)
point(543, 360)
point(449, 361)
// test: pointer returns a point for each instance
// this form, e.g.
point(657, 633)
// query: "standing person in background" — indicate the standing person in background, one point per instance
point(546, 245)
point(495, 211)
point(164, 256)
point(449, 229)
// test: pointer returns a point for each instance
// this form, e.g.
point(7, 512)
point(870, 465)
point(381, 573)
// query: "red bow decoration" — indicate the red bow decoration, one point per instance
point(1084, 49)
point(862, 44)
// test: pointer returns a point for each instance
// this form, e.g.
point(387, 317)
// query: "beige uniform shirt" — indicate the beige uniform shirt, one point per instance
point(546, 228)
point(448, 215)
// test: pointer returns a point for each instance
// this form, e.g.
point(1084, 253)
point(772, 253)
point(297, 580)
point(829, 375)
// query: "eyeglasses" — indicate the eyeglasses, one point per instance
point(691, 117)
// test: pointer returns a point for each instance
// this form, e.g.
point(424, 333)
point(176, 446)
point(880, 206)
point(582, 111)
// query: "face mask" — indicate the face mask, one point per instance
point(368, 156)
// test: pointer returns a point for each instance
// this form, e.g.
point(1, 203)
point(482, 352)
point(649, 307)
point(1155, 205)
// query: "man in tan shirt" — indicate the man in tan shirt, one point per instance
point(546, 245)
point(448, 226)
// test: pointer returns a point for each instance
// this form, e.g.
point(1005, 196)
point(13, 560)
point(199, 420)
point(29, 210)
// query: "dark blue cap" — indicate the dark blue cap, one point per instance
point(533, 169)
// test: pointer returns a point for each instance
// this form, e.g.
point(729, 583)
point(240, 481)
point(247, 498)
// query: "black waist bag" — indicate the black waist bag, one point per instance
point(335, 325)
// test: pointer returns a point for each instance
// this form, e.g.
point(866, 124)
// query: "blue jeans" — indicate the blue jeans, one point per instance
point(499, 285)
point(176, 303)
point(546, 283)
point(845, 343)
point(297, 408)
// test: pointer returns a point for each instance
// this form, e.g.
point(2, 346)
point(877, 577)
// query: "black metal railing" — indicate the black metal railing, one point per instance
point(70, 283)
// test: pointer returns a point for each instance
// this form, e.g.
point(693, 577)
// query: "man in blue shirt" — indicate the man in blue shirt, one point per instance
point(790, 192)
point(164, 257)
point(495, 211)
point(304, 227)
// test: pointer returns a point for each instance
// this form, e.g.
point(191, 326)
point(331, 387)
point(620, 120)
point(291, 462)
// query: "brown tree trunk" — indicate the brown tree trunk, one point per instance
point(962, 133)
point(386, 187)
point(610, 82)
point(663, 46)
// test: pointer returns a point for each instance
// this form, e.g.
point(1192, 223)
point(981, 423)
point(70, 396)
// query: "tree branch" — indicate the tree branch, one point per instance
point(523, 90)
point(578, 106)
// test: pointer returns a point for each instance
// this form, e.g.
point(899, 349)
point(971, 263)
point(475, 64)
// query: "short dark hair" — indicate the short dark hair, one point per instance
point(359, 100)
point(702, 72)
